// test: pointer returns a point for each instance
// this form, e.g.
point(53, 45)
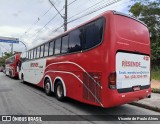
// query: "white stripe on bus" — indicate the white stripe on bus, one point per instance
point(79, 80)
point(77, 66)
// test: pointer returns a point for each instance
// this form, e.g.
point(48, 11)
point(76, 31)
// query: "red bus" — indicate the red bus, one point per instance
point(11, 65)
point(103, 62)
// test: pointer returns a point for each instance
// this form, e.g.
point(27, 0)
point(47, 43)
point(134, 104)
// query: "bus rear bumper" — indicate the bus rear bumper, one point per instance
point(117, 99)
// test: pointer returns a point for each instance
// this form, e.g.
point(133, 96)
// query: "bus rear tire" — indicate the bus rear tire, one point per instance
point(59, 91)
point(47, 87)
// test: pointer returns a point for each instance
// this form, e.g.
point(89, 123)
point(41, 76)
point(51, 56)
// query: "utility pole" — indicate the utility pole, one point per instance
point(11, 48)
point(65, 14)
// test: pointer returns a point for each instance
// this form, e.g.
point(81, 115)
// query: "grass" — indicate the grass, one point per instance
point(155, 75)
point(154, 90)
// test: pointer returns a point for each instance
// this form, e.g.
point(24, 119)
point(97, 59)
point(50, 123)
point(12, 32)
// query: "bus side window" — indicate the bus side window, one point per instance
point(34, 53)
point(42, 51)
point(38, 52)
point(75, 40)
point(93, 34)
point(46, 49)
point(51, 48)
point(57, 46)
point(31, 54)
point(64, 44)
point(28, 54)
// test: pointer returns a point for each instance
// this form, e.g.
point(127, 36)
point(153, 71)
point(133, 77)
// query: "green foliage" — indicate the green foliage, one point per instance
point(2, 60)
point(155, 75)
point(149, 12)
point(136, 9)
point(155, 90)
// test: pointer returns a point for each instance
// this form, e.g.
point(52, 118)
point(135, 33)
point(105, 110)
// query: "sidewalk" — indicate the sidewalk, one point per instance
point(152, 103)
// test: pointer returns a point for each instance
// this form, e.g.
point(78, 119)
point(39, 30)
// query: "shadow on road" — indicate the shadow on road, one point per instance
point(86, 108)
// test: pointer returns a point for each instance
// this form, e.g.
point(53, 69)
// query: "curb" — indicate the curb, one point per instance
point(145, 106)
point(155, 90)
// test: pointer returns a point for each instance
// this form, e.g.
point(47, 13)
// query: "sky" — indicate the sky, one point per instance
point(35, 21)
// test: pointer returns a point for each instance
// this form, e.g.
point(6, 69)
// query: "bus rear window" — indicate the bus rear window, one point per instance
point(131, 29)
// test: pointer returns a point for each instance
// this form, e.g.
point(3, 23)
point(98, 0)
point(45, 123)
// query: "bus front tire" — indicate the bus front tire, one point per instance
point(59, 91)
point(22, 77)
point(47, 87)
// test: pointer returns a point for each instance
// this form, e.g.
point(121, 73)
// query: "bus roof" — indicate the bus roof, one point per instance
point(98, 16)
point(132, 17)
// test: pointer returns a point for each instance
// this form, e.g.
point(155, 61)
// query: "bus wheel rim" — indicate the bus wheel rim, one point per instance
point(47, 87)
point(59, 91)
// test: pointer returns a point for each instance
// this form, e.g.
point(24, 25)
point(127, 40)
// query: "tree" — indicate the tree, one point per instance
point(2, 59)
point(149, 12)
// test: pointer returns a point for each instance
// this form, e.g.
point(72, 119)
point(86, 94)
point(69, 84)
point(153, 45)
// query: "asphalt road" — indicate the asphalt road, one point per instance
point(17, 98)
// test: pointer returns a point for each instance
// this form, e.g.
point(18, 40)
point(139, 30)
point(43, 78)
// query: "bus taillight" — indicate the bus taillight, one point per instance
point(112, 80)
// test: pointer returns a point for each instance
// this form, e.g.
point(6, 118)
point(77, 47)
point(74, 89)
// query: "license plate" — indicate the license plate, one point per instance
point(136, 88)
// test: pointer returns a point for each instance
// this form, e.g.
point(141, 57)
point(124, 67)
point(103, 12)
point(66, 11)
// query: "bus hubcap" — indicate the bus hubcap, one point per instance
point(47, 87)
